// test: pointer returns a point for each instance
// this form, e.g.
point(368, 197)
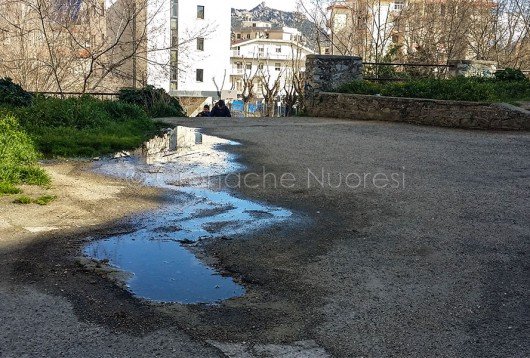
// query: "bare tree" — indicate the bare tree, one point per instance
point(91, 45)
point(270, 86)
point(425, 30)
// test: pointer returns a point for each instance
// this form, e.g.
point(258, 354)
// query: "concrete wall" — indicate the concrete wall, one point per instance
point(455, 114)
point(325, 72)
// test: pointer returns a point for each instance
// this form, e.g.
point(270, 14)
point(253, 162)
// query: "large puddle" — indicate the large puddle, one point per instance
point(157, 254)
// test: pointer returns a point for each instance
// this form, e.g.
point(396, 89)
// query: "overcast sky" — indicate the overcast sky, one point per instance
point(286, 5)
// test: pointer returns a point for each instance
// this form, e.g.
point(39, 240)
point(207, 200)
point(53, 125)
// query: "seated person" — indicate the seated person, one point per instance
point(205, 112)
point(220, 110)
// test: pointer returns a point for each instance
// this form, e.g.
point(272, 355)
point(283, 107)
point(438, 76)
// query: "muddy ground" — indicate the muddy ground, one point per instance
point(439, 267)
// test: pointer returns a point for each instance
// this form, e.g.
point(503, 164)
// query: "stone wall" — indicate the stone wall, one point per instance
point(326, 72)
point(455, 114)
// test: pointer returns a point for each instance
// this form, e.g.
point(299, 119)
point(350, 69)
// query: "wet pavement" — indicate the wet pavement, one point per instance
point(157, 253)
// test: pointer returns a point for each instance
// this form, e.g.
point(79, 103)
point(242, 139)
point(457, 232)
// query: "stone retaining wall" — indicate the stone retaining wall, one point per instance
point(455, 114)
point(326, 72)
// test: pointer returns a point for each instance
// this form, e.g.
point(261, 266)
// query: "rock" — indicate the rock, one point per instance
point(186, 241)
point(122, 154)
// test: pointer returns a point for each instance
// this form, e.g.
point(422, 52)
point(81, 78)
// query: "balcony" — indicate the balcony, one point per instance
point(237, 71)
point(261, 55)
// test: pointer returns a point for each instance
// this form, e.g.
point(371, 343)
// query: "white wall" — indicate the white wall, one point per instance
point(158, 42)
point(214, 60)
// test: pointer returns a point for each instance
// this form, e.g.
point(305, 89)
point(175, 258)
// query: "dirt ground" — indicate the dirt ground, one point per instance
point(436, 268)
point(84, 199)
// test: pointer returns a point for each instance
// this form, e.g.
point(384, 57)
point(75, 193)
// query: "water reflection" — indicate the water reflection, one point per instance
point(158, 252)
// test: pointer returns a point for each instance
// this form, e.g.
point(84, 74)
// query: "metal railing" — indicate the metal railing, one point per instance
point(387, 71)
point(262, 55)
point(111, 96)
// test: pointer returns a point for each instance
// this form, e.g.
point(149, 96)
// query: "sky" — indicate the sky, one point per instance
point(286, 5)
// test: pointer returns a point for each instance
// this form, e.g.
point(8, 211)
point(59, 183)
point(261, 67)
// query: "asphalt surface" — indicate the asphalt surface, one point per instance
point(435, 264)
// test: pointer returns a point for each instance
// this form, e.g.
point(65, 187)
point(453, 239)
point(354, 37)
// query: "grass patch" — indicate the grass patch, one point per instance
point(18, 156)
point(41, 200)
point(23, 199)
point(83, 127)
point(8, 189)
point(460, 88)
point(45, 199)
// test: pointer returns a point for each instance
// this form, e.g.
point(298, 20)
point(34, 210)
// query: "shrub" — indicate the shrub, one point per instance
point(361, 87)
point(12, 94)
point(155, 101)
point(18, 157)
point(459, 88)
point(510, 74)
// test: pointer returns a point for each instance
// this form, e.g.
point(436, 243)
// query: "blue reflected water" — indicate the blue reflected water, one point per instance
point(164, 270)
point(157, 253)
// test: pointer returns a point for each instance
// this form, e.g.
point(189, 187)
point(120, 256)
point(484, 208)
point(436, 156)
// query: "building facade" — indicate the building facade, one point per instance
point(432, 31)
point(265, 60)
point(189, 47)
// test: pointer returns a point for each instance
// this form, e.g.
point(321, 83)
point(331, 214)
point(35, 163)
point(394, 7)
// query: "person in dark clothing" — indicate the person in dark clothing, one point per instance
point(205, 112)
point(220, 110)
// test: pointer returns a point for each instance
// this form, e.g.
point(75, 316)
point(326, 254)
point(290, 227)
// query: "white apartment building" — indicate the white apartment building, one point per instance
point(266, 54)
point(188, 47)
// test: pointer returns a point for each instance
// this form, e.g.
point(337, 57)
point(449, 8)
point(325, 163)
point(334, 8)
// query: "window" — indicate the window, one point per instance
point(340, 21)
point(261, 50)
point(238, 36)
point(174, 8)
point(248, 36)
point(399, 4)
point(277, 66)
point(253, 24)
point(260, 66)
point(174, 38)
point(199, 75)
point(200, 12)
point(249, 66)
point(200, 43)
point(278, 49)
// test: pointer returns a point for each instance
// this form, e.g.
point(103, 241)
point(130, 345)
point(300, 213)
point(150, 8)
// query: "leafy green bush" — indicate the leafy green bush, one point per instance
point(80, 113)
point(83, 127)
point(12, 94)
point(510, 74)
point(18, 157)
point(459, 88)
point(155, 101)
